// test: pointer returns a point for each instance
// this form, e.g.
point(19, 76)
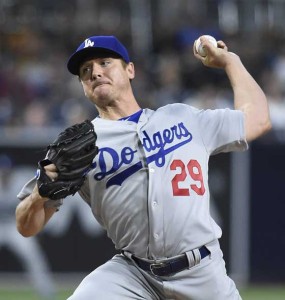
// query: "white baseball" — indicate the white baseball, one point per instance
point(199, 47)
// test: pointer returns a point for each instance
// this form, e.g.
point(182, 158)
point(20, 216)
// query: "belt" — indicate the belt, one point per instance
point(169, 266)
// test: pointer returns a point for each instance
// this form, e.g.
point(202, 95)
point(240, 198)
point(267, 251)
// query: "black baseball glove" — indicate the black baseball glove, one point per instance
point(72, 153)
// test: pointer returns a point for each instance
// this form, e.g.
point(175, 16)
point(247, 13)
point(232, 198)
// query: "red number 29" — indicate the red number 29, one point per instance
point(195, 172)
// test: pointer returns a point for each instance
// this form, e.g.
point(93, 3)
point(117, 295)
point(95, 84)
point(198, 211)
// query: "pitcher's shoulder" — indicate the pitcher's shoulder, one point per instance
point(177, 109)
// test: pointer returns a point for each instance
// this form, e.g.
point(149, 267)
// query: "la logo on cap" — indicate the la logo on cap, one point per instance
point(88, 43)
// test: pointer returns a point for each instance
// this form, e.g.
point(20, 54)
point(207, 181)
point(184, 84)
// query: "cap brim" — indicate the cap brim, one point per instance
point(82, 55)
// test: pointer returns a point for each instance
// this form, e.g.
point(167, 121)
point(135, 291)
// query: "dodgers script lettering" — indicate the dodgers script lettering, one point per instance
point(158, 145)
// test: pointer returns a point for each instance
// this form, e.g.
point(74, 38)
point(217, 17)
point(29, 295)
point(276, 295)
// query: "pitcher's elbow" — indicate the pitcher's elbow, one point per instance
point(267, 126)
point(264, 128)
point(25, 232)
point(256, 130)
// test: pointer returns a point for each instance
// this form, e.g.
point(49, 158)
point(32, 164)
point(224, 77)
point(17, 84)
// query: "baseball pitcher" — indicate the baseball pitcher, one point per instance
point(144, 174)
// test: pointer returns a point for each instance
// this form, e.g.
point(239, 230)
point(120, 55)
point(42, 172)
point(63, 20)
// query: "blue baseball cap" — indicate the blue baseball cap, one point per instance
point(95, 45)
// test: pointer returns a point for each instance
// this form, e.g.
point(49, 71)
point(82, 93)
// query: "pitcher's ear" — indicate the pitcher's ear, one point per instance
point(131, 70)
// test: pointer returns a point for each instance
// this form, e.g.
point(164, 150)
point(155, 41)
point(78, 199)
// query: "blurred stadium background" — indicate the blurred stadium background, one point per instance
point(38, 98)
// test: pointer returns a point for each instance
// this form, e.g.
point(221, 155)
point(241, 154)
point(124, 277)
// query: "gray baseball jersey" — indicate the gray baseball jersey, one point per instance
point(149, 183)
point(149, 186)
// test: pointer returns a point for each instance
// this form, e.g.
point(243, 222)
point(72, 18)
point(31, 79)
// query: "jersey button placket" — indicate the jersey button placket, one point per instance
point(155, 209)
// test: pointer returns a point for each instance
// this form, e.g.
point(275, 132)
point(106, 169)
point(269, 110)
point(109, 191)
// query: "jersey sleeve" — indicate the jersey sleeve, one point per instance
point(222, 130)
point(27, 190)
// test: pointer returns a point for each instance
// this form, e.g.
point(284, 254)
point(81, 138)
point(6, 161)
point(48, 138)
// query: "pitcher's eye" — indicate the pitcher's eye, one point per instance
point(85, 72)
point(105, 63)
